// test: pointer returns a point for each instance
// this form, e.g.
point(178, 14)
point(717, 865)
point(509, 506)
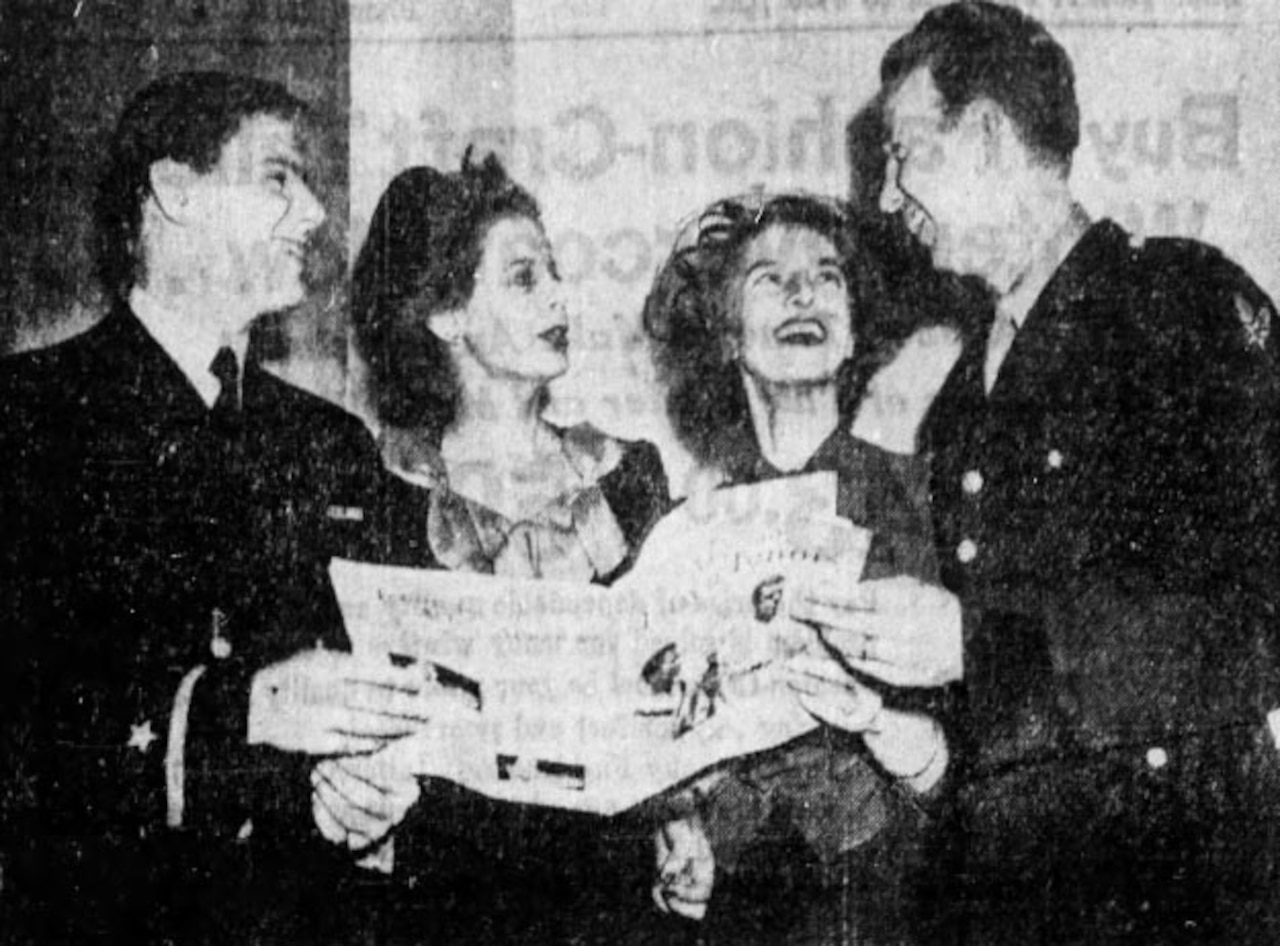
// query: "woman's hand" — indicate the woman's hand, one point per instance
point(909, 746)
point(828, 691)
point(325, 702)
point(686, 868)
point(899, 395)
point(899, 630)
point(358, 800)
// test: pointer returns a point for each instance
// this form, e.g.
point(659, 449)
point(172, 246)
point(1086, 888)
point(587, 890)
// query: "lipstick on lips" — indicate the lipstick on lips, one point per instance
point(557, 336)
point(803, 330)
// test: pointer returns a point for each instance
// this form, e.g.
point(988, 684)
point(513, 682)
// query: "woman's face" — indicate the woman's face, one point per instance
point(794, 319)
point(515, 324)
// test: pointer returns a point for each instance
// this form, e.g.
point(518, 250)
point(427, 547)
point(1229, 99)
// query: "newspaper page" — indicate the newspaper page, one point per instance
point(623, 121)
point(595, 699)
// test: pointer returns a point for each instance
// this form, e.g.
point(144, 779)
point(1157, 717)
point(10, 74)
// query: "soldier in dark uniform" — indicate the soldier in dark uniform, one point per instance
point(1104, 490)
point(173, 653)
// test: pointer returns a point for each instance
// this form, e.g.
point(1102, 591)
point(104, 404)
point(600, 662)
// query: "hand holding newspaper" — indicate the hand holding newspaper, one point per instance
point(581, 697)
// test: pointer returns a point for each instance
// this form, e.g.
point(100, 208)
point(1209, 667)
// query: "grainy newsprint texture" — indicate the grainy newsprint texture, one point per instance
point(786, 484)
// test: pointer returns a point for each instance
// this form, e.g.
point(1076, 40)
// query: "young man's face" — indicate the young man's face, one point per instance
point(253, 213)
point(943, 179)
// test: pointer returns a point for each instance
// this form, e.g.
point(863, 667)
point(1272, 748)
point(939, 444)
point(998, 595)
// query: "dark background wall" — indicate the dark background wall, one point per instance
point(67, 67)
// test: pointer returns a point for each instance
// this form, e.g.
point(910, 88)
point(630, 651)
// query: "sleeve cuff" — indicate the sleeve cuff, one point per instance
point(175, 761)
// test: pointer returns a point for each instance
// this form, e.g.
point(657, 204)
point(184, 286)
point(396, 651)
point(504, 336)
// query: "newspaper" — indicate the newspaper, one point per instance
point(593, 699)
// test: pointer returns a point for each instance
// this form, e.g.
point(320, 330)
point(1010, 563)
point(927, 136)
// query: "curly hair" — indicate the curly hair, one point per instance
point(186, 117)
point(691, 314)
point(424, 245)
point(975, 49)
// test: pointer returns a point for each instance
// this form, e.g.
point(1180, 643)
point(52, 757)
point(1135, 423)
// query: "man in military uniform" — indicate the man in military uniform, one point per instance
point(1104, 489)
point(174, 656)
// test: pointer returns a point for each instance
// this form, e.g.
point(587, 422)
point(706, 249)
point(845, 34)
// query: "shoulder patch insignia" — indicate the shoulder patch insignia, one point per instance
point(1256, 321)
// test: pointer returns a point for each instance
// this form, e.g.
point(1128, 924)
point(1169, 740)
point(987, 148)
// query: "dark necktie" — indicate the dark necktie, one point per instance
point(226, 368)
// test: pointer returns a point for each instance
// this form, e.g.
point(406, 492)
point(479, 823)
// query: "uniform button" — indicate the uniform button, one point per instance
point(221, 647)
point(1157, 758)
point(971, 482)
point(1054, 459)
point(967, 551)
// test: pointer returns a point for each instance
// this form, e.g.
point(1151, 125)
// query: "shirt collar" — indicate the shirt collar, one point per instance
point(188, 341)
point(1044, 267)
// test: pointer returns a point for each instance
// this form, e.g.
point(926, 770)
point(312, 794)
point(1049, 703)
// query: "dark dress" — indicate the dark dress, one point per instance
point(470, 869)
point(1107, 516)
point(142, 539)
point(814, 842)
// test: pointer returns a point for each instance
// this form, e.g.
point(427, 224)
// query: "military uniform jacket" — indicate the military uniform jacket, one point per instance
point(1107, 513)
point(153, 559)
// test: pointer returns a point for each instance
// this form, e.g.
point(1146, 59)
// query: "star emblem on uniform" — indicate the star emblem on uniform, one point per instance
point(141, 736)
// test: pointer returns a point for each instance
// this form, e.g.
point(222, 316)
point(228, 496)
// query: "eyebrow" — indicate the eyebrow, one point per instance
point(288, 163)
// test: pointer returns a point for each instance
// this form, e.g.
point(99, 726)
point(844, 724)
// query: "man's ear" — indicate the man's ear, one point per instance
point(446, 326)
point(992, 125)
point(171, 188)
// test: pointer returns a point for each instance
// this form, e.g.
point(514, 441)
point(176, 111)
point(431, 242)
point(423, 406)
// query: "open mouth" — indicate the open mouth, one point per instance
point(557, 337)
point(805, 331)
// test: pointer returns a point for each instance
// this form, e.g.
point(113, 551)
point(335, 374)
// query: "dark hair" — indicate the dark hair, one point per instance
point(690, 313)
point(425, 243)
point(186, 117)
point(977, 49)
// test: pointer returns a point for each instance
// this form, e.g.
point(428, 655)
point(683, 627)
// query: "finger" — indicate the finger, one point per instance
point(336, 808)
point(673, 867)
point(354, 820)
point(662, 848)
point(382, 773)
point(843, 598)
point(365, 724)
point(381, 673)
point(846, 711)
point(831, 614)
point(884, 654)
point(359, 793)
point(807, 670)
point(659, 894)
point(688, 910)
point(329, 827)
point(416, 706)
point(850, 645)
point(334, 743)
point(894, 674)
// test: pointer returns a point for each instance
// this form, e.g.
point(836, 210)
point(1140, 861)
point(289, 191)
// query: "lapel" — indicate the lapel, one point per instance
point(1044, 358)
point(1057, 327)
point(142, 382)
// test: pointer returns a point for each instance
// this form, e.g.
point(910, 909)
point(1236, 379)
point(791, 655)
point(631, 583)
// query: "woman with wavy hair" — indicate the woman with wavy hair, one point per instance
point(763, 322)
point(460, 317)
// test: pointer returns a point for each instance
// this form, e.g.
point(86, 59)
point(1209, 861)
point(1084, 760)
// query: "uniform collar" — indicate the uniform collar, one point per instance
point(189, 342)
point(1089, 263)
point(1048, 262)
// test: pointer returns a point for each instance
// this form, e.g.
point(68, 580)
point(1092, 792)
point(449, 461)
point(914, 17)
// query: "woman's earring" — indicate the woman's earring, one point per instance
point(730, 349)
